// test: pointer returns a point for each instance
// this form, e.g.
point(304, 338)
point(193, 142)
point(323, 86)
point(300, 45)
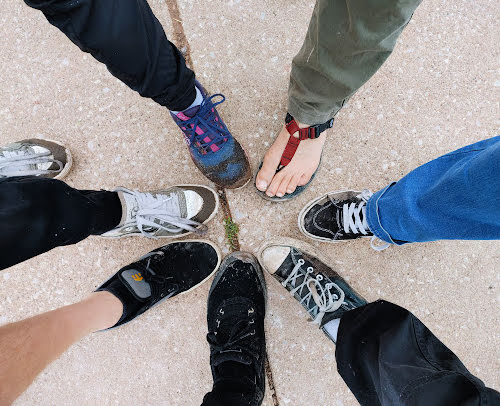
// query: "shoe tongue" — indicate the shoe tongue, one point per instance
point(136, 284)
point(176, 205)
point(19, 168)
point(235, 356)
point(131, 207)
point(235, 310)
point(232, 368)
point(191, 112)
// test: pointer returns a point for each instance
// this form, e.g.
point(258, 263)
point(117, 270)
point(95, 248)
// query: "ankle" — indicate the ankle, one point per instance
point(196, 102)
point(103, 310)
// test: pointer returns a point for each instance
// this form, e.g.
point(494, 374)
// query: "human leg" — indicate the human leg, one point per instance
point(236, 311)
point(39, 214)
point(384, 354)
point(346, 43)
point(455, 196)
point(28, 346)
point(127, 37)
point(387, 356)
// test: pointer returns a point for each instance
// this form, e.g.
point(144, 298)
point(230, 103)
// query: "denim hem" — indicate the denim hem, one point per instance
point(373, 218)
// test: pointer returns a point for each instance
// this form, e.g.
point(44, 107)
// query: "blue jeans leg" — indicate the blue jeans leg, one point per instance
point(453, 197)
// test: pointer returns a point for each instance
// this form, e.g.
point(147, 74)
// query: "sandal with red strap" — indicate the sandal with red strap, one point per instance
point(311, 132)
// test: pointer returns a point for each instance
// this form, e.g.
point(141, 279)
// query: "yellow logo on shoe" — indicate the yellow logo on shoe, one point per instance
point(137, 277)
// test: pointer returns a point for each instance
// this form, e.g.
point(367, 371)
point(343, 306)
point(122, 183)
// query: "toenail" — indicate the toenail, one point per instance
point(262, 185)
point(279, 194)
point(289, 191)
point(269, 194)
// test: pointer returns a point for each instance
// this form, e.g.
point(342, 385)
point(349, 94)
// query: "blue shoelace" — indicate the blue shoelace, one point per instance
point(205, 119)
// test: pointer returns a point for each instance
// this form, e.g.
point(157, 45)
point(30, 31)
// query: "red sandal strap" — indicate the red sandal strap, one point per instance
point(304, 133)
point(290, 149)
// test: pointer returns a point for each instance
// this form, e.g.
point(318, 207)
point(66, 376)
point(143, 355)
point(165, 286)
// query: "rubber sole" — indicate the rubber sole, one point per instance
point(69, 161)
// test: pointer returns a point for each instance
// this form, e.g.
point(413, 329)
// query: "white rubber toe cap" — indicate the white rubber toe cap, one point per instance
point(194, 203)
point(273, 256)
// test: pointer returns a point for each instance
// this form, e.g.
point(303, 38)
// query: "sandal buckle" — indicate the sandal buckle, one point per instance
point(314, 131)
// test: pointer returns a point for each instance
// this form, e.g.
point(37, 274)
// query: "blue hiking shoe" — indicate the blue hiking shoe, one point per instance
point(213, 149)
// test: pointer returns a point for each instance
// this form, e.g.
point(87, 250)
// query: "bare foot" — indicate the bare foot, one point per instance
point(297, 173)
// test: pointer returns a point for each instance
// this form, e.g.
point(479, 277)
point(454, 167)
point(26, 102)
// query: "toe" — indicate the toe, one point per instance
point(266, 173)
point(283, 186)
point(271, 161)
point(293, 183)
point(275, 183)
point(304, 179)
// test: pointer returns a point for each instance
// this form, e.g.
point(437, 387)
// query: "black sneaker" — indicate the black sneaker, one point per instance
point(318, 288)
point(336, 216)
point(236, 311)
point(171, 270)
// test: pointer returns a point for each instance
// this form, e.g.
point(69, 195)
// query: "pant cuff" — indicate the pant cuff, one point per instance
point(307, 116)
point(373, 217)
point(108, 214)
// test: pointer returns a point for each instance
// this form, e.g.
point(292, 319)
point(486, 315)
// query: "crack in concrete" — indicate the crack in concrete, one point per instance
point(180, 36)
point(233, 240)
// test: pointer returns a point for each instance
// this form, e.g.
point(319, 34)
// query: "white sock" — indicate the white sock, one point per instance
point(332, 328)
point(197, 101)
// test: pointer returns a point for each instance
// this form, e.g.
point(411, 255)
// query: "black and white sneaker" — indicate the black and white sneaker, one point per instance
point(171, 270)
point(236, 311)
point(318, 288)
point(338, 216)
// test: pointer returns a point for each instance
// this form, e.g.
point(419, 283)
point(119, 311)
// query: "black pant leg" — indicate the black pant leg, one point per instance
point(388, 357)
point(127, 37)
point(38, 214)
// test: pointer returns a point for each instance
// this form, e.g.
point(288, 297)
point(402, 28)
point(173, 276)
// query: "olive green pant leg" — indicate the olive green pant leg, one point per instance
point(347, 41)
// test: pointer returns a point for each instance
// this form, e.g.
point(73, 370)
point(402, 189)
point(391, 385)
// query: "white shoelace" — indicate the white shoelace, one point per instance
point(324, 300)
point(17, 163)
point(163, 209)
point(351, 213)
point(353, 223)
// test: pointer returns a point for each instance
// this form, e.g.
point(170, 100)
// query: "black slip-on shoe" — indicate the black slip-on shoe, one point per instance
point(236, 311)
point(168, 271)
